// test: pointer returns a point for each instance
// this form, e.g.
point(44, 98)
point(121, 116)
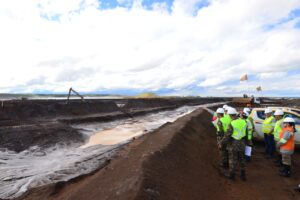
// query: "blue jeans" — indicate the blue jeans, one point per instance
point(269, 144)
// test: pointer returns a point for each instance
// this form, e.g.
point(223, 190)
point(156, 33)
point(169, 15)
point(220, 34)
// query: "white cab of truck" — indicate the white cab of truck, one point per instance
point(258, 116)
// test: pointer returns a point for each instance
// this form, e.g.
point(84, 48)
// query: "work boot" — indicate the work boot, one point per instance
point(287, 171)
point(243, 175)
point(231, 176)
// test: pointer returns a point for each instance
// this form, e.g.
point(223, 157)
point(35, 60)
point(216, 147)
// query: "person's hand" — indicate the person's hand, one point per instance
point(278, 145)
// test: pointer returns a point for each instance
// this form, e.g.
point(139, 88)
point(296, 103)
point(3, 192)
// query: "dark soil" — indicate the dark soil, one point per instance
point(178, 161)
point(21, 138)
point(44, 123)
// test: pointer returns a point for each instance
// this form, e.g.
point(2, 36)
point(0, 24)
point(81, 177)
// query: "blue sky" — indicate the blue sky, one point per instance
point(171, 47)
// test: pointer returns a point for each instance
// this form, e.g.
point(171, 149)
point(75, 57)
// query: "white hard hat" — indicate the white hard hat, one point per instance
point(220, 111)
point(225, 106)
point(246, 113)
point(288, 120)
point(268, 110)
point(246, 110)
point(232, 111)
point(278, 112)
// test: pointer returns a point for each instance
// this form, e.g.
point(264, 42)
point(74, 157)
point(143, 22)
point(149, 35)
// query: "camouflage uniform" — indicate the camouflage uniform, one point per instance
point(236, 151)
point(223, 150)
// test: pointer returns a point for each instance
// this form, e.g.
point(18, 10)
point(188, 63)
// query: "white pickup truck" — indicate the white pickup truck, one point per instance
point(258, 116)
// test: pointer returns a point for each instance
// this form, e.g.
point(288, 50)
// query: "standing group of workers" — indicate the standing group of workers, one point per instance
point(279, 135)
point(235, 132)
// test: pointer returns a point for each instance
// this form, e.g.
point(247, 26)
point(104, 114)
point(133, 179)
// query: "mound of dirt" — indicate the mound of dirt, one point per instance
point(186, 167)
point(134, 104)
point(28, 109)
point(294, 103)
point(21, 138)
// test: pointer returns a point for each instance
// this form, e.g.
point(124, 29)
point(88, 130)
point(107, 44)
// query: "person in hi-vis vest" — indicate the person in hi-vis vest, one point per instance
point(286, 144)
point(250, 127)
point(222, 125)
point(235, 140)
point(277, 130)
point(267, 129)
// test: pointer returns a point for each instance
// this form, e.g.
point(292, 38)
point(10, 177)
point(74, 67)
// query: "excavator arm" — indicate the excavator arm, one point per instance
point(75, 92)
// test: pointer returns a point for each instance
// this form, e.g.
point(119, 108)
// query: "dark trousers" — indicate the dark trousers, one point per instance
point(269, 144)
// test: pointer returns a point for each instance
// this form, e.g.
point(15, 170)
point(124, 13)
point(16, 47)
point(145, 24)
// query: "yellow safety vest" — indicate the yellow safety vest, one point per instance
point(268, 125)
point(239, 129)
point(278, 129)
point(225, 122)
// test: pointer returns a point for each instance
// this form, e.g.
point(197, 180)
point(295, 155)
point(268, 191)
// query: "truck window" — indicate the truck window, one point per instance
point(261, 114)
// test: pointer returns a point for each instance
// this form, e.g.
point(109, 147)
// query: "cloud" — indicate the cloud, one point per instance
point(196, 43)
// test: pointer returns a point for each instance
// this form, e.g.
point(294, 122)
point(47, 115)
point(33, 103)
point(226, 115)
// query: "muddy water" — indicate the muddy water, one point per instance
point(114, 136)
point(37, 166)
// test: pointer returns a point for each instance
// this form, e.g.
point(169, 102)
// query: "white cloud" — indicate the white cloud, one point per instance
point(92, 49)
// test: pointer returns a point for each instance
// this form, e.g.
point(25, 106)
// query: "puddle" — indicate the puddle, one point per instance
point(115, 136)
point(37, 167)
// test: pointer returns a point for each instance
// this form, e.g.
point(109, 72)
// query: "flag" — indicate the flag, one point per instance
point(244, 78)
point(258, 88)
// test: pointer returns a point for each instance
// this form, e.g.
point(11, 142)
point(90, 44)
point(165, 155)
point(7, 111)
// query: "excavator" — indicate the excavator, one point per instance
point(75, 92)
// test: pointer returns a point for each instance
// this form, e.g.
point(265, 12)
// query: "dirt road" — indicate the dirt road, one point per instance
point(178, 161)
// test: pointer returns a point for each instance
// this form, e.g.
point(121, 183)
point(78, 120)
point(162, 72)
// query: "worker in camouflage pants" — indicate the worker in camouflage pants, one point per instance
point(221, 125)
point(235, 141)
point(236, 152)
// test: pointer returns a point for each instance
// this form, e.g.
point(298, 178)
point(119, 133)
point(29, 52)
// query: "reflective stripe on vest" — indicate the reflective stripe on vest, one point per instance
point(278, 129)
point(225, 122)
point(267, 125)
point(290, 144)
point(239, 129)
point(249, 128)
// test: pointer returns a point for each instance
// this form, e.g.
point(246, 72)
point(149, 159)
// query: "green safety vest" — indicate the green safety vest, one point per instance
point(278, 129)
point(239, 129)
point(249, 128)
point(268, 125)
point(225, 122)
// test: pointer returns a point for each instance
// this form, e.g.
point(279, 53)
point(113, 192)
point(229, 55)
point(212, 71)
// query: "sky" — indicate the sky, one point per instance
point(170, 47)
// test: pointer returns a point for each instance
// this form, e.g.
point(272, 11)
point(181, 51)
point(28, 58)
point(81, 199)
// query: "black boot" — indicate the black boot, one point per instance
point(287, 171)
point(231, 176)
point(243, 175)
